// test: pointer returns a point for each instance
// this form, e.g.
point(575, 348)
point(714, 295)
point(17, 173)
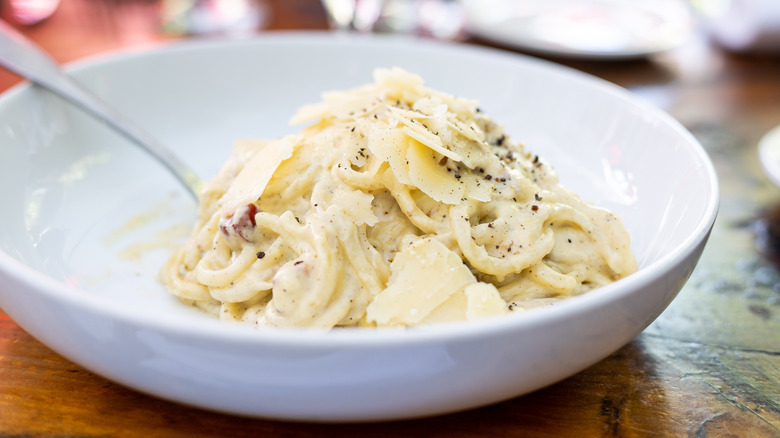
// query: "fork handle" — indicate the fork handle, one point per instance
point(21, 56)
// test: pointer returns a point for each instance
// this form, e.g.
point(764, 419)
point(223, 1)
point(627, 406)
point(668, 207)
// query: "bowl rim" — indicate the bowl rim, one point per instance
point(232, 334)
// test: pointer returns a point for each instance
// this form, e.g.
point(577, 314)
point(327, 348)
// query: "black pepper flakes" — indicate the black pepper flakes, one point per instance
point(535, 208)
point(260, 254)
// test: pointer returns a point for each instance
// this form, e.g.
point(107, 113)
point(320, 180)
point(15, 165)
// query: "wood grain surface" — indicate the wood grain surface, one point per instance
point(709, 366)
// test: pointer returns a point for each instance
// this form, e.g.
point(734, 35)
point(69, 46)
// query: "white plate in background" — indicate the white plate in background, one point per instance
point(769, 154)
point(598, 29)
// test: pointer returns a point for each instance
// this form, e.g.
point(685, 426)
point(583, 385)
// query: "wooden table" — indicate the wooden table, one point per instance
point(709, 366)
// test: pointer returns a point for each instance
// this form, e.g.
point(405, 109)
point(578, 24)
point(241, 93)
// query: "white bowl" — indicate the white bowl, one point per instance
point(84, 212)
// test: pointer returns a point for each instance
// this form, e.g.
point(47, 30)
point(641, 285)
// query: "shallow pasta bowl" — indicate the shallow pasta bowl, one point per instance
point(88, 220)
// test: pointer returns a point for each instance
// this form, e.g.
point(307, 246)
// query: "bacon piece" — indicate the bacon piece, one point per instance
point(242, 223)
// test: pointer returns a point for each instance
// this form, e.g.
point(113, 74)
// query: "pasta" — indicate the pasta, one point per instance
point(398, 205)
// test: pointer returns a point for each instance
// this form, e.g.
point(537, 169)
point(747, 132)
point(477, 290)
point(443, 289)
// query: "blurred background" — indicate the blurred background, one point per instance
point(572, 28)
point(714, 65)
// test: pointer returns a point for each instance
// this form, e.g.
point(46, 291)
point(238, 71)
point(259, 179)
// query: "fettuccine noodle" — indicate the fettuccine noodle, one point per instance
point(399, 205)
